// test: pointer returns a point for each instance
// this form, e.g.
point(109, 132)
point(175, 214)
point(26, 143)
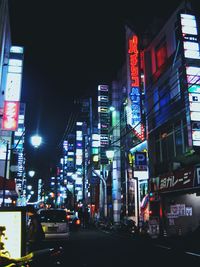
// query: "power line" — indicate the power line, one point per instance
point(147, 114)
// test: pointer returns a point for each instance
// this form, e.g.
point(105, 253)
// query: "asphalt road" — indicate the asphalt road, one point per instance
point(94, 248)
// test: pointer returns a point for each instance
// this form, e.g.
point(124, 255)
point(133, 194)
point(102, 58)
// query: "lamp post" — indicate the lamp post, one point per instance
point(74, 176)
point(5, 174)
point(137, 195)
point(31, 173)
point(137, 200)
point(6, 167)
point(36, 141)
point(105, 191)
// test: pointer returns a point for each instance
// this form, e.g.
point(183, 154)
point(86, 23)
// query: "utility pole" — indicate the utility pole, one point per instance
point(5, 174)
point(83, 207)
point(105, 191)
point(137, 211)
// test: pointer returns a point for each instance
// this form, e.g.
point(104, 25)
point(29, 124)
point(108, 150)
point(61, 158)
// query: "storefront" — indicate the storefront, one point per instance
point(180, 201)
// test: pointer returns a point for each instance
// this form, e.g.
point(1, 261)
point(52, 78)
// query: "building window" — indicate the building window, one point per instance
point(175, 86)
point(161, 53)
point(166, 142)
point(179, 139)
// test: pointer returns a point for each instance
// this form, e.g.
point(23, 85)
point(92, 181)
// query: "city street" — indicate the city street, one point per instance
point(94, 248)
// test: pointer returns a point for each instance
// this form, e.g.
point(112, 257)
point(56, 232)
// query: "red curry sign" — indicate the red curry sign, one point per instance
point(10, 115)
point(177, 180)
point(134, 95)
point(133, 56)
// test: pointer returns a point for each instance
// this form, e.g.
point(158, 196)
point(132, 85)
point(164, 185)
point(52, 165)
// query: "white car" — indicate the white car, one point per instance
point(54, 223)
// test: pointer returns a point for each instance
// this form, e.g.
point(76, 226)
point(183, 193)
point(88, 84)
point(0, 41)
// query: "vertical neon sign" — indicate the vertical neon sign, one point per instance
point(134, 94)
point(13, 89)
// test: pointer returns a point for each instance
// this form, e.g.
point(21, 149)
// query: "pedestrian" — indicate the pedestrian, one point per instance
point(35, 233)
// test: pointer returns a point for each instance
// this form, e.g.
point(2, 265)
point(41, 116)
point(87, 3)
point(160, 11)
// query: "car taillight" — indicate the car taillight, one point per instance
point(78, 222)
point(68, 217)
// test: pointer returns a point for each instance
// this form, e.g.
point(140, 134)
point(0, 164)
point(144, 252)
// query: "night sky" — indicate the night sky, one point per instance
point(69, 48)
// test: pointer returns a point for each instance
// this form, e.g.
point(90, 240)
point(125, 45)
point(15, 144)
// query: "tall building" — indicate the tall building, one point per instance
point(11, 67)
point(172, 87)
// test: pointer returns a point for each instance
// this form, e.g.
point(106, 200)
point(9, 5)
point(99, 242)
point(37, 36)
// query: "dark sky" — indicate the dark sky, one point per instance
point(69, 48)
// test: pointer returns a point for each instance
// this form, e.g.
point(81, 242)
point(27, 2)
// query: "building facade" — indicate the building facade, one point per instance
point(171, 71)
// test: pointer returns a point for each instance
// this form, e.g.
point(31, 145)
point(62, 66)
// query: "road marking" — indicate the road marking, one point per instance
point(161, 246)
point(106, 232)
point(192, 253)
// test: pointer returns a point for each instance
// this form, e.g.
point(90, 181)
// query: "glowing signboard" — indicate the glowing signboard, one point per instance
point(134, 118)
point(11, 233)
point(13, 84)
point(13, 89)
point(104, 120)
point(192, 51)
point(10, 115)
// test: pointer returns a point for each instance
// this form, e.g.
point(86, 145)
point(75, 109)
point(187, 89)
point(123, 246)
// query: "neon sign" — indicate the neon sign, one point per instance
point(134, 95)
point(133, 57)
point(10, 115)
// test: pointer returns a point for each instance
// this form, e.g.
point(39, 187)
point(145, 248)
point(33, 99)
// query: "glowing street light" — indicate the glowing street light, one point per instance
point(36, 140)
point(29, 187)
point(110, 154)
point(31, 173)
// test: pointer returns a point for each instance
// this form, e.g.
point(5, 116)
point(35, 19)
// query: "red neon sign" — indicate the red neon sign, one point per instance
point(133, 52)
point(10, 115)
point(133, 61)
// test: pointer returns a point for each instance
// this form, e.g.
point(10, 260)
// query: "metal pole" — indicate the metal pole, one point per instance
point(137, 193)
point(105, 191)
point(105, 200)
point(127, 188)
point(5, 174)
point(83, 207)
point(74, 191)
point(138, 215)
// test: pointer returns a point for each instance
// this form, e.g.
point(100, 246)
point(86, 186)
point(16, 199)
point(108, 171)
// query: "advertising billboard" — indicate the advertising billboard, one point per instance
point(134, 87)
point(192, 52)
point(10, 115)
point(12, 232)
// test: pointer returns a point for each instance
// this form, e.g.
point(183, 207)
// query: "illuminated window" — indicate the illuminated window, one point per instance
point(161, 53)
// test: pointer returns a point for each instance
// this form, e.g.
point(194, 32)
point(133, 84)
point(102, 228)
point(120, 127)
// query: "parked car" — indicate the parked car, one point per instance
point(54, 223)
point(73, 219)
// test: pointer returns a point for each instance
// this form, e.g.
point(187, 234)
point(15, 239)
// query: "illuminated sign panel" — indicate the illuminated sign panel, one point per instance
point(13, 89)
point(10, 115)
point(192, 51)
point(104, 120)
point(13, 84)
point(134, 109)
point(3, 142)
point(11, 233)
point(17, 49)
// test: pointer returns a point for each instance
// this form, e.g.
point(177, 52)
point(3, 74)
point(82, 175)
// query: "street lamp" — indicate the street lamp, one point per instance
point(105, 191)
point(36, 141)
point(5, 174)
point(31, 173)
point(110, 154)
point(137, 211)
point(74, 177)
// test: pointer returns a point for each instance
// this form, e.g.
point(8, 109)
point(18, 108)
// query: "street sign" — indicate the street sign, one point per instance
point(140, 161)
